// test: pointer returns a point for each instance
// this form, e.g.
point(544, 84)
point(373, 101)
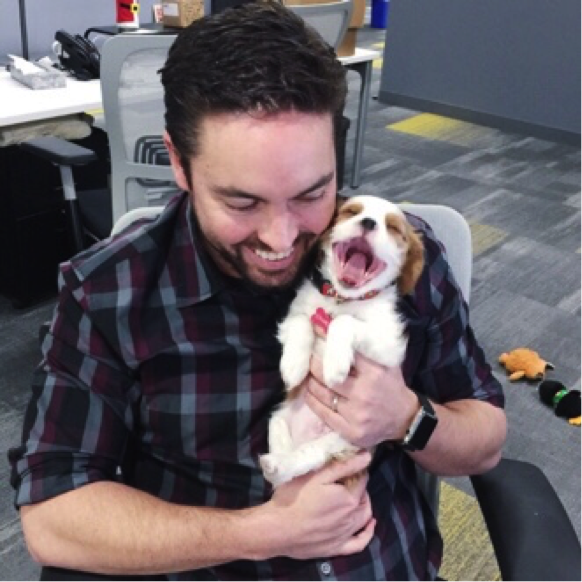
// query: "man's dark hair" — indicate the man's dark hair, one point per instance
point(259, 57)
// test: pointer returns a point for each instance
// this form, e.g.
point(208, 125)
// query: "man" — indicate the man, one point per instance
point(162, 357)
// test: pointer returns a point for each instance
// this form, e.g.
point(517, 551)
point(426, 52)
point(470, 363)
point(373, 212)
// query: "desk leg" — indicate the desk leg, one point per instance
point(365, 71)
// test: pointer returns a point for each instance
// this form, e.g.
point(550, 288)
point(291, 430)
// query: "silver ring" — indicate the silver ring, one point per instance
point(334, 403)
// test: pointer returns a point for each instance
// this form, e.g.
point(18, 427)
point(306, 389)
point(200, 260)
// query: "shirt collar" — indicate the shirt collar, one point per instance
point(196, 275)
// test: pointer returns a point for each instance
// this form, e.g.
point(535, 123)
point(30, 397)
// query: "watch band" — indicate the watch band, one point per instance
point(422, 426)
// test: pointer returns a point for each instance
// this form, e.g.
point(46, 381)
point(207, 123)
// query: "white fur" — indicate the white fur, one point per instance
point(299, 441)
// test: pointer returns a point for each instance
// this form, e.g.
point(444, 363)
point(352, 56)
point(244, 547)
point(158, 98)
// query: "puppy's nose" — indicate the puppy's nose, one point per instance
point(368, 223)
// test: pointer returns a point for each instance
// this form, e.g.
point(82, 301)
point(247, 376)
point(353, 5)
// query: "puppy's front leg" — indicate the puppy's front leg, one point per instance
point(339, 354)
point(280, 445)
point(296, 336)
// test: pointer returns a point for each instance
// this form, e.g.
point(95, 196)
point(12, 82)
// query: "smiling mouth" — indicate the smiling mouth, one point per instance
point(355, 262)
point(273, 256)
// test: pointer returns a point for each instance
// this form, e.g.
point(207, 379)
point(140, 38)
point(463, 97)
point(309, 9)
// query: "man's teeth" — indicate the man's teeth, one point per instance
point(273, 256)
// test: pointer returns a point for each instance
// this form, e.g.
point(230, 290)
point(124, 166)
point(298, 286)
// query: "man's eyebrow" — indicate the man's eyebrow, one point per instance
point(226, 192)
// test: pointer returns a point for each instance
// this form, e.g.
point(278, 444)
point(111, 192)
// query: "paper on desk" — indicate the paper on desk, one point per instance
point(24, 66)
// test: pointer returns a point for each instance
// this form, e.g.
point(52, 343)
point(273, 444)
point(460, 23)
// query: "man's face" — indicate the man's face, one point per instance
point(263, 189)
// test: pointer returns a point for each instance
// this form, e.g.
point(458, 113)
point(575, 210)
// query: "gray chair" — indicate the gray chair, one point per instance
point(134, 117)
point(451, 228)
point(531, 533)
point(331, 19)
point(133, 104)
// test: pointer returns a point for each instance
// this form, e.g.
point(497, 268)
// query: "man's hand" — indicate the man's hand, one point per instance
point(375, 405)
point(372, 406)
point(320, 517)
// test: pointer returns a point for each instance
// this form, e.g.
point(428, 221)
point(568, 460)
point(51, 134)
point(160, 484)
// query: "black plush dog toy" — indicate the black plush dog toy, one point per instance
point(566, 403)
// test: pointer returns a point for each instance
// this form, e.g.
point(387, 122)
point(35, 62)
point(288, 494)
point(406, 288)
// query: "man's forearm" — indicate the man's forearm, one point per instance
point(109, 528)
point(467, 441)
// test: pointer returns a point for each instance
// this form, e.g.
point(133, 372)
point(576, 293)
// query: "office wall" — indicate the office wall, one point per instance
point(513, 64)
point(44, 17)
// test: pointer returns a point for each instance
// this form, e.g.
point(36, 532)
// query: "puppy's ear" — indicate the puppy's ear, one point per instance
point(413, 264)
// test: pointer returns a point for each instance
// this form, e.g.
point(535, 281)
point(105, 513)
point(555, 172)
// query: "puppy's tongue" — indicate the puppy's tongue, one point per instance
point(353, 270)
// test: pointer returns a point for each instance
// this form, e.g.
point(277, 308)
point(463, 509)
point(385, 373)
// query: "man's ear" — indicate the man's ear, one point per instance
point(179, 174)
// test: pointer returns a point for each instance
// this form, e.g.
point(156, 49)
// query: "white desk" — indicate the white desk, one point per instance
point(21, 104)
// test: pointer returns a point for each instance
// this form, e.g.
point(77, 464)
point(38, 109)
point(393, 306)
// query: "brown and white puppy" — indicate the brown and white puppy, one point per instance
point(370, 255)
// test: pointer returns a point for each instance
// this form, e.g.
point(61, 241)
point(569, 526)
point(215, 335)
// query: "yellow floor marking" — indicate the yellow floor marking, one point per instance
point(484, 237)
point(441, 128)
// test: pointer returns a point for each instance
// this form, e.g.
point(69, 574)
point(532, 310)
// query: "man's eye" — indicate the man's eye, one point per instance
point(313, 197)
point(242, 206)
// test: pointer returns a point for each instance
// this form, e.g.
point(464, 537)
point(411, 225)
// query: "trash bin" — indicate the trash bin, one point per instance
point(379, 17)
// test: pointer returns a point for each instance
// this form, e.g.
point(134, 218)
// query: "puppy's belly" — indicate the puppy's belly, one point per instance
point(304, 424)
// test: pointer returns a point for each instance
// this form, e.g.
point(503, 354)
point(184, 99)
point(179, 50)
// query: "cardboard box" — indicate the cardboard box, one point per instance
point(358, 13)
point(181, 13)
point(348, 46)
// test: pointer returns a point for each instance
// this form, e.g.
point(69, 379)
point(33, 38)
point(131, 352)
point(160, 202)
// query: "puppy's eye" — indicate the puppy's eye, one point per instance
point(395, 226)
point(349, 211)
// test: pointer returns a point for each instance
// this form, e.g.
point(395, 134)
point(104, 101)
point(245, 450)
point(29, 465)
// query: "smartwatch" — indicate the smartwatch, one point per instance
point(422, 426)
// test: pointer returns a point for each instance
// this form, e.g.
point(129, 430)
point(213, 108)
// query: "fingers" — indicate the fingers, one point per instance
point(335, 472)
point(334, 420)
point(360, 540)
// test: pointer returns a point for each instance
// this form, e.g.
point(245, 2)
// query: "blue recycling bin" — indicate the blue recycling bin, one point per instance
point(379, 18)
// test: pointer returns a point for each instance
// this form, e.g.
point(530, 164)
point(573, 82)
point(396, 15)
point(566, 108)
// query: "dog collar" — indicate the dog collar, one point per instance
point(326, 288)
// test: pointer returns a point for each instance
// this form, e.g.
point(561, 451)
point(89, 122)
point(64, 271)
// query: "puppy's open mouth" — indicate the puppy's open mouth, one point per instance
point(355, 262)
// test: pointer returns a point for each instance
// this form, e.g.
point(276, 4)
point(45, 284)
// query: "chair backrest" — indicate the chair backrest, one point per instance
point(331, 19)
point(134, 117)
point(451, 228)
point(453, 231)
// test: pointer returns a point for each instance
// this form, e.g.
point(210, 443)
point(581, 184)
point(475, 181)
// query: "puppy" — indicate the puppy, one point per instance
point(369, 256)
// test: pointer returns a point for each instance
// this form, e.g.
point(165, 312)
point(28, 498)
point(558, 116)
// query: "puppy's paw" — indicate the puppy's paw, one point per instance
point(339, 350)
point(269, 466)
point(294, 366)
point(336, 367)
point(275, 469)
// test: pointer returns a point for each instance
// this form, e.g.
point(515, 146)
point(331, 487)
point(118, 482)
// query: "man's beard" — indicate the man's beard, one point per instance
point(234, 259)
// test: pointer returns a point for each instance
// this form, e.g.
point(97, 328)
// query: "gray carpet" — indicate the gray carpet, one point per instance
point(522, 198)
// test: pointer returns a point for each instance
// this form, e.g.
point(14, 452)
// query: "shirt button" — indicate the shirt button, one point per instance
point(325, 568)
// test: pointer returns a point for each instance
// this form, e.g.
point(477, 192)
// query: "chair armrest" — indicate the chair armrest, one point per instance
point(59, 151)
point(531, 533)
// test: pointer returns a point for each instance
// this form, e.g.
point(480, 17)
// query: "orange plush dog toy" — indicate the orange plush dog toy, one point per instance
point(524, 362)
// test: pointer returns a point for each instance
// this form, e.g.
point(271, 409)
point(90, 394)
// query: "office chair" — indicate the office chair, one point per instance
point(331, 20)
point(531, 533)
point(453, 231)
point(134, 117)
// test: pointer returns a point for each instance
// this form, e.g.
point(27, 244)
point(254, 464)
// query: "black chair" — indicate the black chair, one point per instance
point(531, 533)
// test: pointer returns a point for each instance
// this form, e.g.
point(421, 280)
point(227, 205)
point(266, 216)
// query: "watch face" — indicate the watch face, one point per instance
point(422, 426)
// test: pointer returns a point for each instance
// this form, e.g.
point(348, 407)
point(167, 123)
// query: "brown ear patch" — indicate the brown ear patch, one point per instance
point(397, 227)
point(413, 264)
point(349, 210)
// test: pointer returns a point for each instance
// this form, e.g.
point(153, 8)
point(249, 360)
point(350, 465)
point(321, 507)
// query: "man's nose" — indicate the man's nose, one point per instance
point(279, 232)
